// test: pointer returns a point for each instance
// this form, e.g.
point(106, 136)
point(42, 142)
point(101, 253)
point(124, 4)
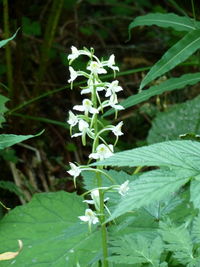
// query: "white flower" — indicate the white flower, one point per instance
point(117, 129)
point(102, 152)
point(73, 75)
point(96, 67)
point(113, 88)
point(111, 62)
point(75, 53)
point(95, 199)
point(86, 107)
point(73, 120)
point(91, 86)
point(90, 217)
point(83, 128)
point(123, 188)
point(113, 101)
point(75, 171)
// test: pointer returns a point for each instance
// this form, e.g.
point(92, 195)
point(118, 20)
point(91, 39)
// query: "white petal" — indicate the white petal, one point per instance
point(84, 218)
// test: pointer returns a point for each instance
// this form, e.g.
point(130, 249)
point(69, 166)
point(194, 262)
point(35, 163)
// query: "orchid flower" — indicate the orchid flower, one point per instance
point(89, 217)
point(102, 152)
point(86, 107)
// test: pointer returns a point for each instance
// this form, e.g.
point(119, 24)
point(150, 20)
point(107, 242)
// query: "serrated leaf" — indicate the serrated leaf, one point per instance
point(178, 23)
point(182, 154)
point(51, 232)
point(175, 55)
point(177, 120)
point(4, 42)
point(3, 108)
point(196, 229)
point(194, 193)
point(155, 184)
point(137, 249)
point(7, 140)
point(178, 241)
point(166, 86)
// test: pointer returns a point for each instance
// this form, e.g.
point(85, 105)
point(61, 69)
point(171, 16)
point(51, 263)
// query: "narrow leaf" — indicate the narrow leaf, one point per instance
point(178, 23)
point(194, 193)
point(7, 140)
point(155, 184)
point(168, 85)
point(175, 55)
point(4, 42)
point(183, 154)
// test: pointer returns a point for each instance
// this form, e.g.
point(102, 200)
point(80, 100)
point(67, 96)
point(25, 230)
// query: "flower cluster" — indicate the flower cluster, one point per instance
point(85, 123)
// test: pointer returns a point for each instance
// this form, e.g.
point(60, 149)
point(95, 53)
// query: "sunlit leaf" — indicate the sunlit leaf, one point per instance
point(7, 140)
point(51, 232)
point(178, 23)
point(4, 42)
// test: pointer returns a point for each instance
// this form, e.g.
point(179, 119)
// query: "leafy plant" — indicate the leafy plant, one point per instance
point(146, 215)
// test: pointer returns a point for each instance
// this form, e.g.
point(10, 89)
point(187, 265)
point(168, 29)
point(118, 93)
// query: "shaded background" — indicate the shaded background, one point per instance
point(34, 74)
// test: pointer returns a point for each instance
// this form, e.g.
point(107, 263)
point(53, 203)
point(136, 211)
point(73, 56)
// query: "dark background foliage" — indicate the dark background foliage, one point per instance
point(34, 74)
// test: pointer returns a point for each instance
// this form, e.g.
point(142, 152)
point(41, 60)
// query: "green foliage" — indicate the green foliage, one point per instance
point(10, 186)
point(166, 86)
point(3, 108)
point(31, 27)
point(177, 120)
point(7, 140)
point(50, 231)
point(174, 56)
point(178, 23)
point(4, 42)
point(136, 249)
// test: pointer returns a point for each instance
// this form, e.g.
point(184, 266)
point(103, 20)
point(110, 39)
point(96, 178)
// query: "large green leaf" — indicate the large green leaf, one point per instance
point(178, 23)
point(136, 250)
point(7, 140)
point(149, 187)
point(179, 242)
point(168, 85)
point(183, 154)
point(177, 120)
point(4, 42)
point(175, 55)
point(51, 233)
point(194, 193)
point(3, 108)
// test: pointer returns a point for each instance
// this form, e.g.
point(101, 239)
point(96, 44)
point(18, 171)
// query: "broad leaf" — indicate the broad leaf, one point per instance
point(178, 23)
point(179, 242)
point(7, 140)
point(157, 185)
point(194, 193)
point(183, 154)
point(168, 85)
point(3, 108)
point(4, 42)
point(177, 120)
point(51, 232)
point(136, 250)
point(175, 55)
point(196, 229)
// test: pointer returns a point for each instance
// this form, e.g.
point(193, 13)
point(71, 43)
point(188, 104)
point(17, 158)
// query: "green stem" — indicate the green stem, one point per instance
point(101, 193)
point(7, 48)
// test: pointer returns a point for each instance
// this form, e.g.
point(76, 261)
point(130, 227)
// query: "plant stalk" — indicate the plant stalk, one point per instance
point(101, 193)
point(7, 48)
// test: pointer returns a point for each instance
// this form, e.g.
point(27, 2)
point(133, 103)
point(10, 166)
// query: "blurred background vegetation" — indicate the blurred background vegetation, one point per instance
point(34, 74)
